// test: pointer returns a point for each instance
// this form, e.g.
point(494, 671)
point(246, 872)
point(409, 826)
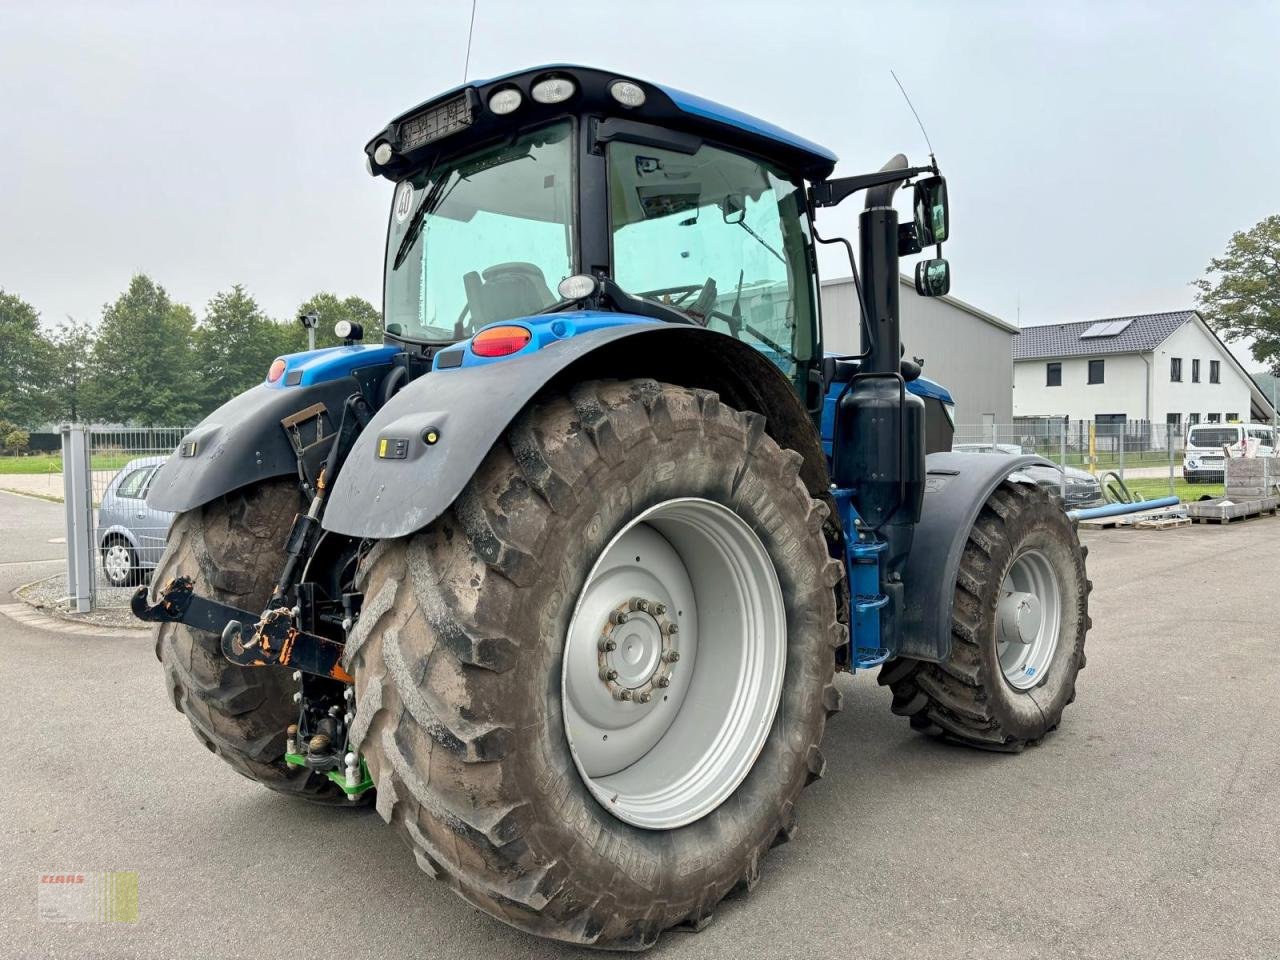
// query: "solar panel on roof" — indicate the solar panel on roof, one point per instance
point(1106, 328)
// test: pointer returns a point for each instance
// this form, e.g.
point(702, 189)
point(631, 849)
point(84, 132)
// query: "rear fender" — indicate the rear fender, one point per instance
point(396, 480)
point(242, 442)
point(956, 487)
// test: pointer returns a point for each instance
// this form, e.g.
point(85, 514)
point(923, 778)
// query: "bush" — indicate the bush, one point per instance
point(16, 441)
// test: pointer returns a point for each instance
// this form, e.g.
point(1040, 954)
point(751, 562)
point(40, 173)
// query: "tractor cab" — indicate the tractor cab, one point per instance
point(692, 212)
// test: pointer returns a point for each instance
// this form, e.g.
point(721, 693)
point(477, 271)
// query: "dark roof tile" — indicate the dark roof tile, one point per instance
point(1143, 334)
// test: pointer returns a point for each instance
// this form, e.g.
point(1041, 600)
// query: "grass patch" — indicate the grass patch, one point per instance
point(51, 463)
point(1153, 488)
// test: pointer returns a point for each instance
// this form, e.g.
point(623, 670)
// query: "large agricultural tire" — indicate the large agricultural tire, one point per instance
point(991, 693)
point(458, 656)
point(233, 548)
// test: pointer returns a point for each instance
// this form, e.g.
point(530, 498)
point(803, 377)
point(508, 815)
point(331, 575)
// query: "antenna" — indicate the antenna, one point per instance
point(466, 66)
point(919, 122)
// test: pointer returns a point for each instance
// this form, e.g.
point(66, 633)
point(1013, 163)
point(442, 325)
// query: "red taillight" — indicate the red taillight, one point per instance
point(500, 341)
point(276, 371)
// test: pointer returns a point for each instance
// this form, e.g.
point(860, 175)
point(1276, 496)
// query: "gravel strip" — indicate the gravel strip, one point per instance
point(49, 596)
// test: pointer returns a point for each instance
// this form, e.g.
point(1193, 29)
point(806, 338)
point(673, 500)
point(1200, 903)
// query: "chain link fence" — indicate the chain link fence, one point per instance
point(114, 540)
point(1147, 458)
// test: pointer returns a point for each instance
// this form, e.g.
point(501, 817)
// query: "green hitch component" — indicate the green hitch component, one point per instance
point(354, 780)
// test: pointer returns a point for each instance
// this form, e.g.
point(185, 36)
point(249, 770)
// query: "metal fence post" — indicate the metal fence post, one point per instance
point(1168, 427)
point(79, 517)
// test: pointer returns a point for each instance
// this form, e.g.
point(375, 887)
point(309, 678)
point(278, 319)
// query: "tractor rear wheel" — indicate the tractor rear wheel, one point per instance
point(590, 693)
point(1018, 625)
point(233, 548)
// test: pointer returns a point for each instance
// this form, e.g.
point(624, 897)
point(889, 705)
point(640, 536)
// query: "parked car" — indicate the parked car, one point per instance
point(131, 536)
point(1202, 460)
point(1076, 487)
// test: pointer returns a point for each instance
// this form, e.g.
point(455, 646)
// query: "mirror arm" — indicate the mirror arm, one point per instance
point(828, 193)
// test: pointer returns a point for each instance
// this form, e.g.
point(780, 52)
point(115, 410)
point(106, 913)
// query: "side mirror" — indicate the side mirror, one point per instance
point(933, 221)
point(933, 278)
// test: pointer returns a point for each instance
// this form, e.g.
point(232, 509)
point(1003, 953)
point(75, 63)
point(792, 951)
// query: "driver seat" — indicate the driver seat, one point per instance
point(507, 290)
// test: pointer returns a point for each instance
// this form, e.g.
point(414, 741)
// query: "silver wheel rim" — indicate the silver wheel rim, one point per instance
point(664, 723)
point(1028, 620)
point(117, 563)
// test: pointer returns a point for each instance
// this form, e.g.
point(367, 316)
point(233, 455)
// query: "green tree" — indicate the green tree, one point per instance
point(26, 364)
point(330, 310)
point(143, 369)
point(72, 349)
point(1239, 295)
point(236, 343)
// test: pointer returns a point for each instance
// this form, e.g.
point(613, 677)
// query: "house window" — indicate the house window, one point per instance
point(1213, 418)
point(1096, 368)
point(1173, 419)
point(1215, 371)
point(1053, 374)
point(1233, 418)
point(1175, 369)
point(1195, 371)
point(1193, 419)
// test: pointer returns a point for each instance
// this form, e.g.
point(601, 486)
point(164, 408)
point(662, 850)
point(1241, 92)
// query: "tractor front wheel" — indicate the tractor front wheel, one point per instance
point(591, 692)
point(1018, 624)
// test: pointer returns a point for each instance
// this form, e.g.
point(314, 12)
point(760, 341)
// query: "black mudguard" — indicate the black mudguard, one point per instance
point(242, 442)
point(956, 487)
point(391, 490)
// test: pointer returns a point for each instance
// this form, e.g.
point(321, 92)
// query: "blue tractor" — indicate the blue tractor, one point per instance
point(559, 576)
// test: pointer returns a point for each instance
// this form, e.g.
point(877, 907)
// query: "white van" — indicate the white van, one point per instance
point(1202, 461)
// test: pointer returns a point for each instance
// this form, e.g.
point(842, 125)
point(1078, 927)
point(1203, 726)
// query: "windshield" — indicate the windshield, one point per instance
point(481, 239)
point(720, 236)
point(1214, 436)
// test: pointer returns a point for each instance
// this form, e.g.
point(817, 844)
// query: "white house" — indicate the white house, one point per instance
point(1163, 368)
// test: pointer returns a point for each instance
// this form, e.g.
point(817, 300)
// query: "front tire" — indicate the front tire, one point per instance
point(1018, 625)
point(463, 669)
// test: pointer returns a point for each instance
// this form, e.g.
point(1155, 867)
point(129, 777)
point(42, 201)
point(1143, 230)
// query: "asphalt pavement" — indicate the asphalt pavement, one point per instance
point(1148, 826)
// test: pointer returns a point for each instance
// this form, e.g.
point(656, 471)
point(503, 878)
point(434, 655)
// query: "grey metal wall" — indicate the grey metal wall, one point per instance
point(964, 350)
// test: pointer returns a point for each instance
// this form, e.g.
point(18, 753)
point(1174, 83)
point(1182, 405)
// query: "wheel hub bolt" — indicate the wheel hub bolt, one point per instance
point(608, 674)
point(659, 609)
point(608, 645)
point(641, 604)
point(673, 629)
point(671, 656)
point(618, 617)
point(624, 694)
point(664, 682)
point(644, 697)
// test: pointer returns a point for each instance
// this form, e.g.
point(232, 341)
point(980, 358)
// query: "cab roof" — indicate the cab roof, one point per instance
point(460, 118)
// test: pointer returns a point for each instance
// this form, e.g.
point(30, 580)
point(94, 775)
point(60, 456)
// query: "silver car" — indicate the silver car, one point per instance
point(1076, 487)
point(131, 536)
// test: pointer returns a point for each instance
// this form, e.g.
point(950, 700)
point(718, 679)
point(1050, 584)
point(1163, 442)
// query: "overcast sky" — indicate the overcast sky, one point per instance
point(1098, 154)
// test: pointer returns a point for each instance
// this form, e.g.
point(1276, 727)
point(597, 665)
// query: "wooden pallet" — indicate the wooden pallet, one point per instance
point(1231, 511)
point(1163, 523)
point(1223, 520)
